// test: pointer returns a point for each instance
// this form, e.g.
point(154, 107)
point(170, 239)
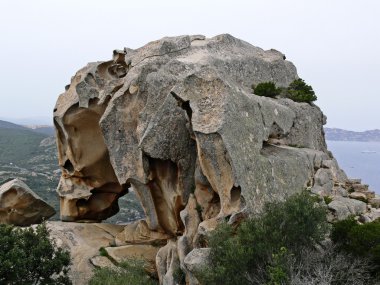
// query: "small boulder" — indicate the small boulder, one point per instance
point(167, 263)
point(341, 192)
point(323, 182)
point(359, 196)
point(342, 208)
point(102, 262)
point(138, 232)
point(135, 251)
point(197, 260)
point(20, 206)
point(375, 202)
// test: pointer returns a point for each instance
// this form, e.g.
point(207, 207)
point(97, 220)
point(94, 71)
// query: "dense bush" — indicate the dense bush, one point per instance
point(267, 89)
point(29, 256)
point(257, 252)
point(358, 240)
point(299, 91)
point(130, 272)
point(287, 244)
point(328, 266)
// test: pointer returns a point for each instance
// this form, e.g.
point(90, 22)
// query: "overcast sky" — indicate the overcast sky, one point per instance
point(335, 45)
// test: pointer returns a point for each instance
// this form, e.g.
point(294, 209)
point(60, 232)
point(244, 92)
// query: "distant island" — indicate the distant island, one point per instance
point(334, 134)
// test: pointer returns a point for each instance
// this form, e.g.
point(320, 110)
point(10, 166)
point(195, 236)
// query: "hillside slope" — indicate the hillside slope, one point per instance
point(8, 125)
point(31, 155)
point(335, 134)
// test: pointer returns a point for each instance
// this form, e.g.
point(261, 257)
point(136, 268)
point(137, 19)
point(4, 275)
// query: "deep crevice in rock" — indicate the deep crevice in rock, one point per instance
point(167, 194)
point(185, 105)
point(68, 166)
point(235, 195)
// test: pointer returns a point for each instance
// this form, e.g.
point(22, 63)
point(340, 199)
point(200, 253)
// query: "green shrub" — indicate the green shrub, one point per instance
point(278, 269)
point(351, 190)
point(299, 91)
point(130, 271)
point(327, 199)
point(103, 252)
point(255, 249)
point(359, 240)
point(267, 89)
point(29, 256)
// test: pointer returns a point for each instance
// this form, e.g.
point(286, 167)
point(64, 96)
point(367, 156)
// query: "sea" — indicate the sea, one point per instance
point(359, 160)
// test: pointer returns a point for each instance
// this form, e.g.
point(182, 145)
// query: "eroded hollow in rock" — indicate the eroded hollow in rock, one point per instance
point(206, 197)
point(89, 189)
point(235, 195)
point(68, 166)
point(167, 194)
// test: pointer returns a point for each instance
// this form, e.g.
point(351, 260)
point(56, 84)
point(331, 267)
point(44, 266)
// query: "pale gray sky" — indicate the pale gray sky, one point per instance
point(335, 45)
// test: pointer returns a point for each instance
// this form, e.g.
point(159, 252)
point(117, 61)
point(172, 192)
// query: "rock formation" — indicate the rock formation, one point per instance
point(20, 206)
point(84, 241)
point(176, 120)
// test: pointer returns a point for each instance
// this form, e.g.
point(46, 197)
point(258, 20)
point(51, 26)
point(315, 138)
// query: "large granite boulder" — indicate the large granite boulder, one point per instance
point(178, 116)
point(20, 206)
point(177, 121)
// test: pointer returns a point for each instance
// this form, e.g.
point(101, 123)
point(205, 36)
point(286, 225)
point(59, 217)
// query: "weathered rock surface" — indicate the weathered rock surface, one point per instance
point(83, 241)
point(138, 251)
point(176, 121)
point(167, 262)
point(342, 207)
point(375, 202)
point(102, 262)
point(196, 261)
point(138, 232)
point(20, 206)
point(174, 114)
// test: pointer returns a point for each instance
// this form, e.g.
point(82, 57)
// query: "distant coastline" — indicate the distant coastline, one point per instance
point(335, 134)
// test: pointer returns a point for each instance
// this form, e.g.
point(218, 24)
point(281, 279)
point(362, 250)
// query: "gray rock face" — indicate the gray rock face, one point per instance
point(323, 182)
point(153, 117)
point(20, 206)
point(342, 207)
point(196, 261)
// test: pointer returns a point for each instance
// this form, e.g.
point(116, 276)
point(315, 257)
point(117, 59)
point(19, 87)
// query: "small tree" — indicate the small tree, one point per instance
point(29, 256)
point(299, 91)
point(255, 253)
point(267, 89)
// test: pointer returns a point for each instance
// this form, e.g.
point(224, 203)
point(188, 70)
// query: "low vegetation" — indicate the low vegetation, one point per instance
point(267, 89)
point(283, 246)
point(29, 256)
point(361, 241)
point(129, 272)
point(298, 91)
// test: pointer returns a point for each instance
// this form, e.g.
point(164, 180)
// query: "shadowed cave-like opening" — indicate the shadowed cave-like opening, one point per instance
point(166, 191)
point(86, 167)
